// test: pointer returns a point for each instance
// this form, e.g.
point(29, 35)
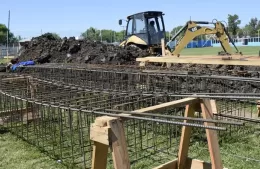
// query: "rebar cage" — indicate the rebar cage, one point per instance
point(53, 109)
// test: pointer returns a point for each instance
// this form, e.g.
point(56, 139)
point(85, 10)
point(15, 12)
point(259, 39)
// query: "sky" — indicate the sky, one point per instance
point(30, 18)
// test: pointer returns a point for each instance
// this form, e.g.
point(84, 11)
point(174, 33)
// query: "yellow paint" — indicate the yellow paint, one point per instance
point(133, 39)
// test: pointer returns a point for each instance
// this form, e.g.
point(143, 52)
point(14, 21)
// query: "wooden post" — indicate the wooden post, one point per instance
point(258, 108)
point(185, 138)
point(212, 137)
point(109, 132)
point(118, 144)
point(99, 157)
point(163, 46)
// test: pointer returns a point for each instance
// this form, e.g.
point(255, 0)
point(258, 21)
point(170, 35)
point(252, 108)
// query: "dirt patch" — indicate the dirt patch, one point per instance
point(48, 49)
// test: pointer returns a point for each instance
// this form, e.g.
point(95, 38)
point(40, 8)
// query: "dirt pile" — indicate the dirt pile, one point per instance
point(48, 49)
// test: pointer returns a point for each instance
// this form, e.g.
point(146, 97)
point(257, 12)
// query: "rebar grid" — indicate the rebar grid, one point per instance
point(56, 116)
point(133, 80)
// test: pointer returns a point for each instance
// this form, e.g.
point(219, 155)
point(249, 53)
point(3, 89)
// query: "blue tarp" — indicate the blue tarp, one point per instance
point(25, 63)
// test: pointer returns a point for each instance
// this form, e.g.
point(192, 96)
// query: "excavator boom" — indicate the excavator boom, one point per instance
point(192, 30)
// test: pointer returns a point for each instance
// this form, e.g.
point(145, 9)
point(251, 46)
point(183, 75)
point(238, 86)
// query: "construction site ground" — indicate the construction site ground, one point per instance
point(239, 150)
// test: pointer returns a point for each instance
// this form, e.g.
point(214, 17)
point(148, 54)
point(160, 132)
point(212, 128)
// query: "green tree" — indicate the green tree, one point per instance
point(252, 27)
point(120, 36)
point(233, 24)
point(104, 35)
point(175, 31)
point(91, 33)
point(3, 35)
point(56, 36)
point(241, 32)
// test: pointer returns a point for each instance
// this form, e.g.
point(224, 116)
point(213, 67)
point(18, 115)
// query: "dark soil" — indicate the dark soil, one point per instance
point(48, 49)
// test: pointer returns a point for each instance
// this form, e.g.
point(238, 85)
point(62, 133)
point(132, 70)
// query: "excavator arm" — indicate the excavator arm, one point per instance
point(192, 30)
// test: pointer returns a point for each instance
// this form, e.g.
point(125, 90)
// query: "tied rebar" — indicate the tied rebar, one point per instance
point(54, 107)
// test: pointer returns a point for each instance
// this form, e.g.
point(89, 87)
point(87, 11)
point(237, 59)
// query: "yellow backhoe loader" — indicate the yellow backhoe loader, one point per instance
point(146, 29)
point(192, 30)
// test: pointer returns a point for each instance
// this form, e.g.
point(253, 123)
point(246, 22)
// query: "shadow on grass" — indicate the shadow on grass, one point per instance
point(3, 130)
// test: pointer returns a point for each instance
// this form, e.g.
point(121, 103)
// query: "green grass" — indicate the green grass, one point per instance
point(246, 50)
point(3, 60)
point(17, 154)
point(237, 152)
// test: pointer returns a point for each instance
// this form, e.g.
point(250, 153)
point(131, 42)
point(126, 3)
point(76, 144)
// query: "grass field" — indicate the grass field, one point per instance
point(3, 61)
point(246, 50)
point(17, 154)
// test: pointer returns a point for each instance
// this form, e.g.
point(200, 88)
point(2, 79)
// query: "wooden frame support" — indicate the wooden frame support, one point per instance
point(108, 132)
point(209, 60)
point(258, 108)
point(208, 108)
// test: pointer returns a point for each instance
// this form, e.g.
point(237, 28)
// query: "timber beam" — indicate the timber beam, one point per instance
point(208, 60)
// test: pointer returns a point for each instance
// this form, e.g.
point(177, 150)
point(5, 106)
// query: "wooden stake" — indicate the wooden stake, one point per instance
point(212, 138)
point(185, 138)
point(163, 47)
point(118, 145)
point(109, 132)
point(99, 158)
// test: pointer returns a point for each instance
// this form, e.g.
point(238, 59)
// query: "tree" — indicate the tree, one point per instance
point(175, 30)
point(91, 34)
point(120, 36)
point(3, 35)
point(56, 36)
point(252, 27)
point(233, 24)
point(241, 32)
point(106, 35)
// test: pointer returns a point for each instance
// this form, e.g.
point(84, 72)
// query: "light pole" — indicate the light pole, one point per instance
point(7, 35)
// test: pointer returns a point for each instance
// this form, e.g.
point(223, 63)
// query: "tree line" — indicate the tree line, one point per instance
point(251, 29)
point(3, 35)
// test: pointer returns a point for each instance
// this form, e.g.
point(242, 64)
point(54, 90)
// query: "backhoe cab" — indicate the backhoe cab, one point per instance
point(145, 30)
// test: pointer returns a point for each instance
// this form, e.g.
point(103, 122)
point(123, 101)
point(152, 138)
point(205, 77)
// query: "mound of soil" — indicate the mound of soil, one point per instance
point(48, 49)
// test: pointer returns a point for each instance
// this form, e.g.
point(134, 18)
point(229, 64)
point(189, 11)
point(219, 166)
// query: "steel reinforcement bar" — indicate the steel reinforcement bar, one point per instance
point(148, 82)
point(56, 117)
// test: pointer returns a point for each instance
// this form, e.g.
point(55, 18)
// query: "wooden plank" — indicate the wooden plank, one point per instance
point(167, 72)
point(15, 78)
point(175, 103)
point(211, 136)
point(214, 106)
point(185, 138)
point(99, 156)
point(118, 145)
point(168, 165)
point(99, 134)
point(197, 164)
point(250, 61)
point(101, 142)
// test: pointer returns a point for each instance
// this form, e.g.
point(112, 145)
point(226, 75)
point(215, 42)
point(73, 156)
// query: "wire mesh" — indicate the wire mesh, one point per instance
point(53, 109)
point(138, 81)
